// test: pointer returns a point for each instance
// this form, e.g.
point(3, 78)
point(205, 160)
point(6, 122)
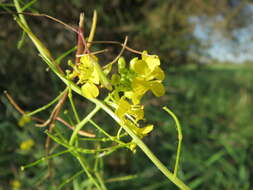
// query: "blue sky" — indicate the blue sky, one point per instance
point(222, 48)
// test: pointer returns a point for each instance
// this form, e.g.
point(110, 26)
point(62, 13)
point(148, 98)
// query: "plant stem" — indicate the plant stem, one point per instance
point(20, 10)
point(85, 167)
point(144, 148)
point(46, 106)
point(180, 137)
point(73, 106)
point(92, 30)
point(82, 123)
point(106, 134)
point(50, 61)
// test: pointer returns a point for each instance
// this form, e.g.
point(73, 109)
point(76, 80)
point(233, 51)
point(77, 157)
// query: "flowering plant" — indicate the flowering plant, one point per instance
point(117, 92)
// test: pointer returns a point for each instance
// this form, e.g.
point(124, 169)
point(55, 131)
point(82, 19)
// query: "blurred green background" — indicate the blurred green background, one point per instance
point(212, 95)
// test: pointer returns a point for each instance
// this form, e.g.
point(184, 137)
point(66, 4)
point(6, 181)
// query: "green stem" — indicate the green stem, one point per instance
point(82, 150)
point(101, 181)
point(105, 133)
point(82, 123)
point(144, 148)
point(86, 169)
point(112, 138)
point(136, 139)
point(121, 178)
point(19, 10)
point(70, 179)
point(29, 4)
point(46, 106)
point(43, 159)
point(73, 106)
point(180, 137)
point(58, 59)
point(93, 29)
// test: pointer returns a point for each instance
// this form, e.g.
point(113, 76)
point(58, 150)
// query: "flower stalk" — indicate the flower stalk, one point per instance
point(125, 90)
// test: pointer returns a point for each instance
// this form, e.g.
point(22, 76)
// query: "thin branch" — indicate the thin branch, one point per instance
point(47, 16)
point(81, 132)
point(121, 51)
point(13, 103)
point(55, 111)
point(94, 53)
point(80, 44)
point(117, 43)
point(93, 29)
point(18, 108)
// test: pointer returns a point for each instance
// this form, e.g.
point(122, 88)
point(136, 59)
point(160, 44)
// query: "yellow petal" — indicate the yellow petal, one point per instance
point(84, 69)
point(87, 58)
point(123, 107)
point(140, 86)
point(137, 112)
point(133, 146)
point(145, 130)
point(16, 184)
point(144, 55)
point(26, 145)
point(24, 120)
point(152, 60)
point(136, 98)
point(90, 90)
point(132, 62)
point(94, 78)
point(158, 73)
point(141, 132)
point(141, 67)
point(157, 88)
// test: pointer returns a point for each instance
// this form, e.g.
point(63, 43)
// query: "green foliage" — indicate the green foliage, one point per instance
point(126, 115)
point(214, 103)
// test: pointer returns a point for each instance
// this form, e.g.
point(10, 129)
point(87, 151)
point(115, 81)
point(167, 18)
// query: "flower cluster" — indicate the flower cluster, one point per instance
point(149, 76)
point(129, 85)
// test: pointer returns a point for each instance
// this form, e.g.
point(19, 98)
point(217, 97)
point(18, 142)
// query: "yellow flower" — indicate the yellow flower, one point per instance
point(87, 69)
point(141, 132)
point(90, 90)
point(88, 75)
point(15, 184)
point(149, 76)
point(124, 108)
point(130, 115)
point(27, 144)
point(24, 120)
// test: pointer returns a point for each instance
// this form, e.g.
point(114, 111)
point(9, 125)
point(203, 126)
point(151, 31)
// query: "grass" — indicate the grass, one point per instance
point(214, 105)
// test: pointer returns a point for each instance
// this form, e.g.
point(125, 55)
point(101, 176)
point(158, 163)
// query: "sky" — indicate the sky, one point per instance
point(221, 48)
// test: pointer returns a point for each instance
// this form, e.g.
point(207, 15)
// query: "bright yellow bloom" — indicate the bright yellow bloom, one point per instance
point(87, 69)
point(130, 115)
point(24, 120)
point(88, 76)
point(132, 111)
point(15, 184)
point(27, 144)
point(149, 76)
